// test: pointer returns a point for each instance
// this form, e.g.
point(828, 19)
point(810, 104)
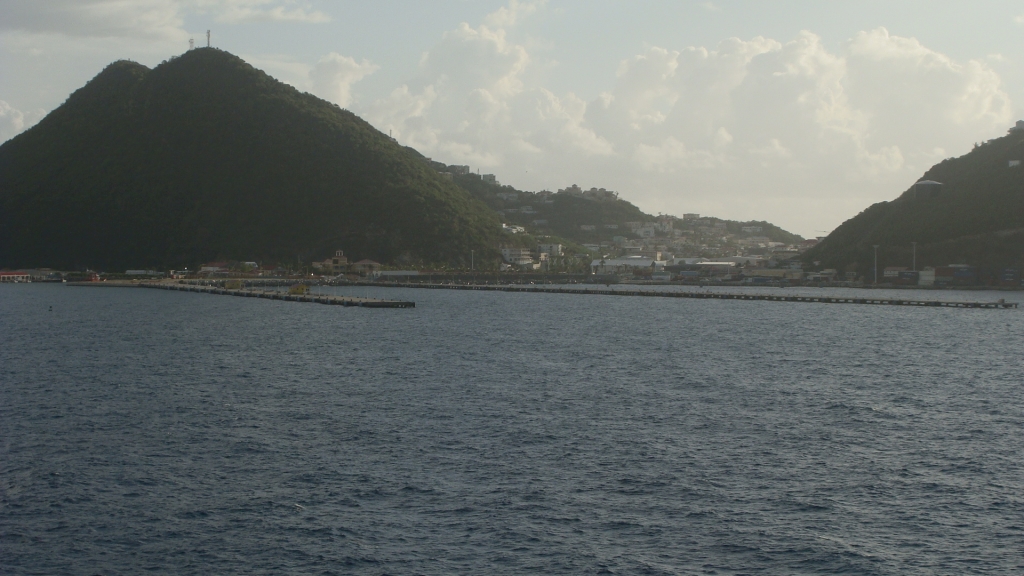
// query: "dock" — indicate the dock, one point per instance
point(256, 293)
point(279, 295)
point(713, 295)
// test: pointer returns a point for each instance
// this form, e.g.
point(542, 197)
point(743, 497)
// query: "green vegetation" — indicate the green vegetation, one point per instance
point(563, 215)
point(977, 219)
point(206, 158)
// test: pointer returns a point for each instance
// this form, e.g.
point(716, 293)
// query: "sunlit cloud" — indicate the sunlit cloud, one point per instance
point(809, 122)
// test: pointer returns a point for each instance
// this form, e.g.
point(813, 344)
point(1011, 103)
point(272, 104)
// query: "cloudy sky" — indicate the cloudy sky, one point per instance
point(801, 113)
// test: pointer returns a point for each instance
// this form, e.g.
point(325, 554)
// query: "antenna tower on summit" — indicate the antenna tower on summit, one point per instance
point(191, 43)
point(207, 38)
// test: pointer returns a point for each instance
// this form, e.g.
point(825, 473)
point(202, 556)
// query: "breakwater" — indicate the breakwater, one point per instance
point(713, 295)
point(254, 293)
point(279, 295)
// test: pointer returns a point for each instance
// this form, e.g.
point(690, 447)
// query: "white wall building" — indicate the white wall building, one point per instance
point(517, 256)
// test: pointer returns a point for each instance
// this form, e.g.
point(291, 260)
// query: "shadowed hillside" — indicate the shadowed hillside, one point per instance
point(205, 157)
point(977, 218)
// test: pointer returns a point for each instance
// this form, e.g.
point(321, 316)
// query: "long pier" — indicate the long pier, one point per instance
point(279, 295)
point(253, 293)
point(712, 295)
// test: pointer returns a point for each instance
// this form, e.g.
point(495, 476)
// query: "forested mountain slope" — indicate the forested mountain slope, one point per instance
point(204, 157)
point(977, 217)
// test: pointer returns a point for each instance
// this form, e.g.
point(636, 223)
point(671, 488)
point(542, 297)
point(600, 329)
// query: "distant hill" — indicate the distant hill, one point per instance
point(570, 212)
point(976, 218)
point(204, 157)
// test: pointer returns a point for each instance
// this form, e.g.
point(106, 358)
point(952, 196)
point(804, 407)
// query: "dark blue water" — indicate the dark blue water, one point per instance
point(500, 433)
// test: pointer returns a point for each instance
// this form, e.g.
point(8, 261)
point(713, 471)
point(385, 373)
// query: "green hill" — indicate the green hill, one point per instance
point(569, 213)
point(977, 218)
point(204, 157)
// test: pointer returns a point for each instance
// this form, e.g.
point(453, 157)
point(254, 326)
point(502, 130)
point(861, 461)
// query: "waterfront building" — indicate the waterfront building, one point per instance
point(14, 276)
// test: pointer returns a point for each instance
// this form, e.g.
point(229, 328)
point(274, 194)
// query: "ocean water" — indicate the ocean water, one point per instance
point(144, 431)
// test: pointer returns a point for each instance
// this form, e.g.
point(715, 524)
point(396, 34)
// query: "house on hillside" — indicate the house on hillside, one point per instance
point(552, 249)
point(519, 258)
point(807, 244)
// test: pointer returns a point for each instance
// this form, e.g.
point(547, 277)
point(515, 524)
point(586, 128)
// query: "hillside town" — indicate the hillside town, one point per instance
point(626, 263)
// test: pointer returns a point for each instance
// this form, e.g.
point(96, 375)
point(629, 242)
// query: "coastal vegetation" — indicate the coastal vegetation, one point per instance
point(568, 213)
point(975, 218)
point(205, 157)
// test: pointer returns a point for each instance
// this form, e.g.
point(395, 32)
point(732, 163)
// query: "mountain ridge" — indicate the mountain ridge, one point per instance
point(205, 157)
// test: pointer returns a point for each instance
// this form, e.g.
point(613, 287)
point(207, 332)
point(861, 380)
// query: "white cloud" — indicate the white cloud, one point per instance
point(673, 156)
point(13, 121)
point(774, 149)
point(330, 78)
point(468, 58)
point(506, 17)
point(94, 18)
point(284, 68)
point(474, 102)
point(142, 19)
point(705, 130)
point(236, 11)
point(334, 75)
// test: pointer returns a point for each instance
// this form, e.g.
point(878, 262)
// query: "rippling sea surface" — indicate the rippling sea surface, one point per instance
point(503, 433)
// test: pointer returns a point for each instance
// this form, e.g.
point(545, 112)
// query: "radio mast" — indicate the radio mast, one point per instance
point(207, 38)
point(191, 43)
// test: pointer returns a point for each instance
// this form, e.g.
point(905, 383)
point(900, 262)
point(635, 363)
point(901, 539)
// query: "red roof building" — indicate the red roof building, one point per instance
point(14, 276)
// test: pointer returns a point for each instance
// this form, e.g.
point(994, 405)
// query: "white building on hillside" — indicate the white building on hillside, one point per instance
point(517, 256)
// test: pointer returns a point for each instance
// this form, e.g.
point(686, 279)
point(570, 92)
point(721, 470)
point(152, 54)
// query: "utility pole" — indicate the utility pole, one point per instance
point(914, 244)
point(876, 263)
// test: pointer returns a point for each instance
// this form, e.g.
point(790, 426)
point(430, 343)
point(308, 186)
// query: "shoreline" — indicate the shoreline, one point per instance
point(462, 281)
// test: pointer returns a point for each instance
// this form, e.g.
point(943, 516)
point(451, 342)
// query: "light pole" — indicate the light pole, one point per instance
point(875, 246)
point(914, 244)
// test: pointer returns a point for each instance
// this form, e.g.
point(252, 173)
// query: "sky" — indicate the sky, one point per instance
point(801, 113)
